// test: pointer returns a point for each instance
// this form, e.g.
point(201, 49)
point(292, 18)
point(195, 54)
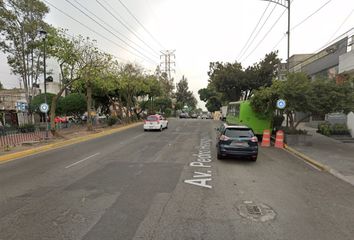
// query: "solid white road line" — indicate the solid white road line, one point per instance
point(73, 164)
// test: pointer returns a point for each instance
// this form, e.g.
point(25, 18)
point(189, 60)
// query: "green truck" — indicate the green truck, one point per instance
point(242, 113)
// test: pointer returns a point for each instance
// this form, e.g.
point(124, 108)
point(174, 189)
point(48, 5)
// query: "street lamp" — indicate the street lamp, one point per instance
point(286, 4)
point(44, 37)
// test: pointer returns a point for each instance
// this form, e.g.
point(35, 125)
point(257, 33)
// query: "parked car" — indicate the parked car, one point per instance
point(183, 115)
point(155, 122)
point(204, 115)
point(236, 141)
point(194, 115)
point(60, 119)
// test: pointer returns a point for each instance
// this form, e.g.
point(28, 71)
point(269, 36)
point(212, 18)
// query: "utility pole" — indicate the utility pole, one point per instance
point(168, 58)
point(286, 4)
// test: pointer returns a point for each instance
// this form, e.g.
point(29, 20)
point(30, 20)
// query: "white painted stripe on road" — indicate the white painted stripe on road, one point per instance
point(73, 164)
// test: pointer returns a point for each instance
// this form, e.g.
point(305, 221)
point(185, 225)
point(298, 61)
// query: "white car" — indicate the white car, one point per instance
point(155, 122)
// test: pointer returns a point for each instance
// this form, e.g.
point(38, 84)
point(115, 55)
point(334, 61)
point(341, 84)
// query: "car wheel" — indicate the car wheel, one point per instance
point(254, 158)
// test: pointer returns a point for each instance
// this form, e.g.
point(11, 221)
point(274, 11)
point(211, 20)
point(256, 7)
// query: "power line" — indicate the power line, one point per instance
point(302, 21)
point(92, 30)
point(124, 24)
point(254, 29)
point(311, 15)
point(72, 36)
point(265, 35)
point(137, 20)
point(259, 30)
point(142, 54)
point(341, 25)
point(107, 24)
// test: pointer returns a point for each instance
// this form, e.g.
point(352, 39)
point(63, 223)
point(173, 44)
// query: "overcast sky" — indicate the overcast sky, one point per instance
point(201, 31)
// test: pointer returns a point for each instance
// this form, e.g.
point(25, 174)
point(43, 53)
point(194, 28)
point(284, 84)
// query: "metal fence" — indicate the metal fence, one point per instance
point(16, 137)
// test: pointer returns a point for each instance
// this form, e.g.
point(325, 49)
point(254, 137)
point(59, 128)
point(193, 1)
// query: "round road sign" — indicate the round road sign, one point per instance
point(44, 107)
point(281, 104)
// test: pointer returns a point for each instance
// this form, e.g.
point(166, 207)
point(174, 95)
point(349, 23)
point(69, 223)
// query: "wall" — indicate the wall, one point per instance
point(350, 123)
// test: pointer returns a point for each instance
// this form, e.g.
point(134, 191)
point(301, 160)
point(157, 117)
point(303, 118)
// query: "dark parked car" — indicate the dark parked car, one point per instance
point(183, 115)
point(236, 141)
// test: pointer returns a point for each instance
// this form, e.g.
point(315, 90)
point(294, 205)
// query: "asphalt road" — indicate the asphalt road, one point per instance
point(169, 185)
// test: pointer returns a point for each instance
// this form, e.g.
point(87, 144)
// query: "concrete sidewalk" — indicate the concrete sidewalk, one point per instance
point(332, 155)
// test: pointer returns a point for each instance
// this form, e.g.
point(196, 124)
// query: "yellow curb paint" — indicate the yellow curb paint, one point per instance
point(52, 146)
point(306, 158)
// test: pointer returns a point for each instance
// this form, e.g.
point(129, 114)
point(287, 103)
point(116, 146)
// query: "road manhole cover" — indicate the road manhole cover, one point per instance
point(256, 212)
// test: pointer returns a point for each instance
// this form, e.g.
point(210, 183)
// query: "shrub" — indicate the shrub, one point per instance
point(111, 120)
point(168, 112)
point(27, 128)
point(339, 129)
point(336, 129)
point(324, 128)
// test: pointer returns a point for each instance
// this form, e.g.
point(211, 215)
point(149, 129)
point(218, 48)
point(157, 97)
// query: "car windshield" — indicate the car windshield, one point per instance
point(238, 133)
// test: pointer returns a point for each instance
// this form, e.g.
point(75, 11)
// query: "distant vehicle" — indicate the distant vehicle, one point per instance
point(242, 113)
point(194, 115)
point(236, 141)
point(155, 122)
point(60, 120)
point(223, 111)
point(183, 115)
point(206, 115)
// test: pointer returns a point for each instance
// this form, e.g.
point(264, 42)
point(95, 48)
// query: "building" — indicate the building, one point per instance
point(13, 107)
point(336, 61)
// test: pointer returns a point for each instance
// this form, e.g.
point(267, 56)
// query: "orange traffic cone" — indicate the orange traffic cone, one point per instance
point(279, 139)
point(266, 138)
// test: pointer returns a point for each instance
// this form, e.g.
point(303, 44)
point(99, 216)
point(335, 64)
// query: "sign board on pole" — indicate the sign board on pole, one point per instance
point(281, 104)
point(44, 107)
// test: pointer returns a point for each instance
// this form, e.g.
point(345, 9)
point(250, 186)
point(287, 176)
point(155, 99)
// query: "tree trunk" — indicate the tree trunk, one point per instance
point(89, 106)
point(53, 109)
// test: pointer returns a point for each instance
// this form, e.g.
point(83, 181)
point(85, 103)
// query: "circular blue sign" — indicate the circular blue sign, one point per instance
point(44, 107)
point(281, 104)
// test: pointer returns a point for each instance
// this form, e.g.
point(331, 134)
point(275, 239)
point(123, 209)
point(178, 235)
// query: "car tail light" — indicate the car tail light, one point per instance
point(254, 139)
point(224, 138)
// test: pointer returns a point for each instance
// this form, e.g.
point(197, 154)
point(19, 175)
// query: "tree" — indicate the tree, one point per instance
point(72, 104)
point(320, 96)
point(211, 97)
point(20, 22)
point(37, 101)
point(227, 79)
point(184, 96)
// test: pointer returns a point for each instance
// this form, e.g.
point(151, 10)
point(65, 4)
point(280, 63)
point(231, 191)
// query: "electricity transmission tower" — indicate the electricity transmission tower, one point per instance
point(168, 58)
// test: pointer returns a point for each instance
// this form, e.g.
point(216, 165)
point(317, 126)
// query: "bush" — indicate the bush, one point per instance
point(337, 129)
point(324, 128)
point(111, 120)
point(27, 128)
point(168, 112)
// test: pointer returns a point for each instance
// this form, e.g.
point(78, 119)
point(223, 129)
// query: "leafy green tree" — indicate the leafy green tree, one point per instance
point(184, 96)
point(20, 22)
point(37, 101)
point(73, 104)
point(320, 96)
point(211, 97)
point(227, 79)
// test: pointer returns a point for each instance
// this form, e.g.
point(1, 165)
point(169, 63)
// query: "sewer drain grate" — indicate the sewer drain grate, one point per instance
point(256, 212)
point(253, 210)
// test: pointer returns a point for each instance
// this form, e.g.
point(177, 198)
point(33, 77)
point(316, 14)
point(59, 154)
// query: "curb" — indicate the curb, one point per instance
point(307, 159)
point(48, 147)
